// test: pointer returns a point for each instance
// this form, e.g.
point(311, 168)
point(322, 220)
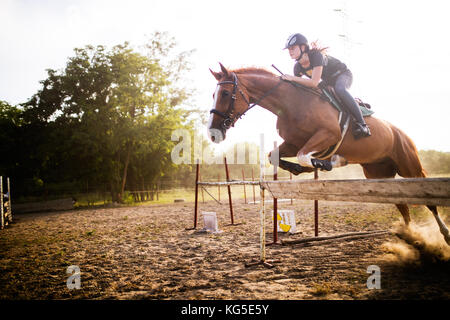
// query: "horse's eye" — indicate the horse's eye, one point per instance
point(225, 93)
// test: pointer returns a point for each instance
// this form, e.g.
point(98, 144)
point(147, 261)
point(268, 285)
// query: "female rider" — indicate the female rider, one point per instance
point(318, 66)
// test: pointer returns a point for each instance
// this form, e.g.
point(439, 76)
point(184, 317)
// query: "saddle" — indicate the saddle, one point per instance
point(345, 119)
point(336, 102)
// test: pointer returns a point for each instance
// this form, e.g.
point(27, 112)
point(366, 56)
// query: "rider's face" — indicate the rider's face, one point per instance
point(294, 52)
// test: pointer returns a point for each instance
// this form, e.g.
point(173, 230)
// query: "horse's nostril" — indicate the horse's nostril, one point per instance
point(213, 138)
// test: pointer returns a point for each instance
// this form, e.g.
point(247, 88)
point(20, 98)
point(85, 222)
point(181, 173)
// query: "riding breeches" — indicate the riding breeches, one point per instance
point(343, 82)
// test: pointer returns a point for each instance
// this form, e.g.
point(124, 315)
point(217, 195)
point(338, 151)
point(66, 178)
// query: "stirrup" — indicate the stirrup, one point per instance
point(361, 131)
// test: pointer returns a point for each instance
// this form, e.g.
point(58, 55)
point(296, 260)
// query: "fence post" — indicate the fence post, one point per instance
point(203, 195)
point(218, 187)
point(316, 208)
point(229, 190)
point(275, 203)
point(157, 190)
point(9, 202)
point(245, 194)
point(253, 179)
point(197, 166)
point(2, 223)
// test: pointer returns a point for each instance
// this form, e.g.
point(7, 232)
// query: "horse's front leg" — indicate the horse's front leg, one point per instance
point(318, 142)
point(287, 150)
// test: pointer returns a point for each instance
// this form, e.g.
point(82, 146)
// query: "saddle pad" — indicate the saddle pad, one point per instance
point(336, 104)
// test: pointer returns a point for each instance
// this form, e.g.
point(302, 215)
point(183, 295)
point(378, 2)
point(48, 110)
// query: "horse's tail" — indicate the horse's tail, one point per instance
point(406, 156)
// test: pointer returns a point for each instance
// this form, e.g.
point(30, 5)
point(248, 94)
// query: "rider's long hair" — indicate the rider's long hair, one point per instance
point(315, 46)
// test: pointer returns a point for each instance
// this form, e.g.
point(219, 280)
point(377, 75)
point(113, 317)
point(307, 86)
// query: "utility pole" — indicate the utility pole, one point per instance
point(344, 35)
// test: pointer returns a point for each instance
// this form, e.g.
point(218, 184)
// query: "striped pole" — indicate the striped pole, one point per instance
point(262, 209)
point(262, 237)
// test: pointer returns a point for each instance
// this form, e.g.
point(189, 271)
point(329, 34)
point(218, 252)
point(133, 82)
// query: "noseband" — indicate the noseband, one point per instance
point(229, 118)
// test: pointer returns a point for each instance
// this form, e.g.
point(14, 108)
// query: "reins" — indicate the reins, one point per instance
point(229, 118)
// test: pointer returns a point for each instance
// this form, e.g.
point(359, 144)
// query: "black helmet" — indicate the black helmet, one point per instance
point(296, 39)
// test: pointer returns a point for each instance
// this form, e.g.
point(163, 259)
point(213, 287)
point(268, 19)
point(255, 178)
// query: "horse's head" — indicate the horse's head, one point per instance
point(228, 106)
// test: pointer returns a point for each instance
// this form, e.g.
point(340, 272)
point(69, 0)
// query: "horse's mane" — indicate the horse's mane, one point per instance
point(266, 73)
point(254, 70)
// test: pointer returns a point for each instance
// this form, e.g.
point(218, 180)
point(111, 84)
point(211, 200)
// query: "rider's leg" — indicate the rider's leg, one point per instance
point(343, 82)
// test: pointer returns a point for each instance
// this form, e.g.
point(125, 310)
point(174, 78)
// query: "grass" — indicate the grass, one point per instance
point(169, 196)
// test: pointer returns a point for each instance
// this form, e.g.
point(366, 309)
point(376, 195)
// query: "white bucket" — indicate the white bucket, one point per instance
point(286, 221)
point(210, 222)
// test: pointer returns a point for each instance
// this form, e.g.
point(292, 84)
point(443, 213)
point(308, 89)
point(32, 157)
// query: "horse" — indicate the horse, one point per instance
point(309, 124)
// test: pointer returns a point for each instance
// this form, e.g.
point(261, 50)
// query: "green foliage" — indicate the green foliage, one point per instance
point(435, 162)
point(104, 120)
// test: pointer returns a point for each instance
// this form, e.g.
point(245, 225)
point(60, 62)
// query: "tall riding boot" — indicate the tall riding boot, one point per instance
point(343, 82)
point(361, 130)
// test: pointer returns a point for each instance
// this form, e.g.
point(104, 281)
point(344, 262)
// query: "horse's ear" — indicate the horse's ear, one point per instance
point(224, 70)
point(216, 75)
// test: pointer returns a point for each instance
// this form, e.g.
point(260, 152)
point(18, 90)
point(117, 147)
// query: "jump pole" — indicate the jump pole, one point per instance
point(316, 208)
point(197, 166)
point(230, 201)
point(275, 204)
point(262, 239)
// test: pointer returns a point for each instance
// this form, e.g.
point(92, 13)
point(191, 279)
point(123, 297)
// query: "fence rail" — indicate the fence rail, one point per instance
point(426, 191)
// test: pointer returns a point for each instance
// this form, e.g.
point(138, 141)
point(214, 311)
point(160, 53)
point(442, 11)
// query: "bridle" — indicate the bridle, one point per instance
point(229, 118)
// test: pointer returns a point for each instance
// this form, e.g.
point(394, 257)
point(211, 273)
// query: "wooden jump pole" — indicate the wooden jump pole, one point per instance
point(275, 204)
point(229, 190)
point(197, 166)
point(262, 213)
point(423, 191)
point(316, 208)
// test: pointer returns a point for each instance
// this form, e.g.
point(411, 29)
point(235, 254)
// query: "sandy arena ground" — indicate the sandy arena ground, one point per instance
point(145, 253)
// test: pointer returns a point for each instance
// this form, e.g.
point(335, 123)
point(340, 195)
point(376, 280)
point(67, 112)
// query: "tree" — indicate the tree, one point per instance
point(109, 110)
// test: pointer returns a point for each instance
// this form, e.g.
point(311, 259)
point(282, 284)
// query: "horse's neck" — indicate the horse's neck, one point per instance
point(258, 86)
point(282, 101)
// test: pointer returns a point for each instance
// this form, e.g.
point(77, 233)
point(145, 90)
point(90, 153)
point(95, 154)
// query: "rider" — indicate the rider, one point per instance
point(316, 66)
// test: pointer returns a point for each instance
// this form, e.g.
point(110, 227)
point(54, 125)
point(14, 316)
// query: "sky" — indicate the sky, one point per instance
point(397, 50)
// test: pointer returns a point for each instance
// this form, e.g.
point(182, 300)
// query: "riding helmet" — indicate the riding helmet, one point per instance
point(296, 39)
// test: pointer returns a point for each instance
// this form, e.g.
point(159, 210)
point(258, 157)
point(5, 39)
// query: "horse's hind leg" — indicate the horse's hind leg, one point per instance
point(409, 166)
point(442, 227)
point(404, 210)
point(382, 170)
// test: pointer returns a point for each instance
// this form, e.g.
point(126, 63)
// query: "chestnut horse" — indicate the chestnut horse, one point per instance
point(309, 124)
